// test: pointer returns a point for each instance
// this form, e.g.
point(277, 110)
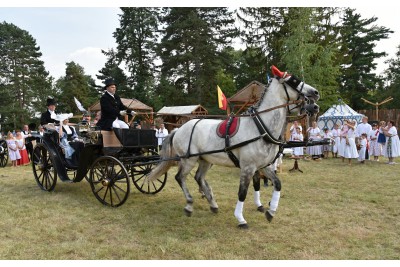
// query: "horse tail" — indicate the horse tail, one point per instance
point(167, 152)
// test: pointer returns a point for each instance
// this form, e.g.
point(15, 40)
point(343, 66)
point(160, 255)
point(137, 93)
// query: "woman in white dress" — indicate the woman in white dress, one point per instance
point(350, 149)
point(336, 140)
point(298, 137)
point(13, 150)
point(314, 133)
point(375, 149)
point(343, 137)
point(392, 146)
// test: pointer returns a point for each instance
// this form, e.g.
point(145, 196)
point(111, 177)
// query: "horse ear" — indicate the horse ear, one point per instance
point(277, 72)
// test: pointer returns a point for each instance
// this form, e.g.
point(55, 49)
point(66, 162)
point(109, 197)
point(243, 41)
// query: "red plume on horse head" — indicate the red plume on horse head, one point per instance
point(277, 72)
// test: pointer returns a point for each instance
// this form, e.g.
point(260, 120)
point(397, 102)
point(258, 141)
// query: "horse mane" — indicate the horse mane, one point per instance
point(258, 103)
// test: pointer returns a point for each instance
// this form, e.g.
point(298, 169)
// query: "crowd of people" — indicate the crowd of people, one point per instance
point(350, 141)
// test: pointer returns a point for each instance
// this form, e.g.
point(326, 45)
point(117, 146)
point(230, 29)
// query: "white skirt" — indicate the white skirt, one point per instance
point(392, 150)
point(350, 150)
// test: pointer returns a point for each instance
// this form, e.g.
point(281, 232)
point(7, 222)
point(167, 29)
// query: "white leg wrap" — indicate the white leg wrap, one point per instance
point(239, 212)
point(275, 200)
point(257, 200)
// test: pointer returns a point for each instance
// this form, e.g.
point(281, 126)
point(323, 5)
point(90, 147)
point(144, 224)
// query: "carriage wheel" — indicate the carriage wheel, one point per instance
point(43, 168)
point(109, 181)
point(139, 173)
point(3, 153)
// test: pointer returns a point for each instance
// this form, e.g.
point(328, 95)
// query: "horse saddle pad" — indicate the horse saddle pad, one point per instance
point(221, 128)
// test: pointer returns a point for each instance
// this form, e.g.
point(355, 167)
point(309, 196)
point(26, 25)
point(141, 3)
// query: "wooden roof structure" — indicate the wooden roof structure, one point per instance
point(245, 97)
point(133, 104)
point(178, 115)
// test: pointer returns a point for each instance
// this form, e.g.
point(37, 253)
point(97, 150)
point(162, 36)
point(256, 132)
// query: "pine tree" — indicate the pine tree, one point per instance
point(23, 78)
point(190, 50)
point(392, 78)
point(358, 38)
point(136, 41)
point(77, 84)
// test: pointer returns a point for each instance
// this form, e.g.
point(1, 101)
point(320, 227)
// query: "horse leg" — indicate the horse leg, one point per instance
point(185, 167)
point(276, 194)
point(257, 186)
point(245, 176)
point(203, 185)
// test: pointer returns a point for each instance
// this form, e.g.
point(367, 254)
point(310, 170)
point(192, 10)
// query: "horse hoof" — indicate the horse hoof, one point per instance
point(243, 226)
point(214, 210)
point(269, 216)
point(187, 212)
point(261, 208)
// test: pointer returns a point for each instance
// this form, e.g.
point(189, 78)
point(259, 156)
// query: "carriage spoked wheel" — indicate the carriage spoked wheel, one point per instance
point(43, 168)
point(139, 174)
point(3, 153)
point(109, 181)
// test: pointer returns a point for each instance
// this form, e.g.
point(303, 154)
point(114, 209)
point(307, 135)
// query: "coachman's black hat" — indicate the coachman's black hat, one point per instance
point(51, 101)
point(108, 82)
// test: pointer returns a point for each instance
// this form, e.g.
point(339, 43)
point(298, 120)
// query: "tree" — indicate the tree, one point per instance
point(136, 40)
point(190, 50)
point(309, 51)
point(358, 39)
point(77, 84)
point(23, 78)
point(392, 77)
point(112, 70)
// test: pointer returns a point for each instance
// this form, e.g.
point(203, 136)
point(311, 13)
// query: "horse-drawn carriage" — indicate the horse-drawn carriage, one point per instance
point(3, 153)
point(108, 161)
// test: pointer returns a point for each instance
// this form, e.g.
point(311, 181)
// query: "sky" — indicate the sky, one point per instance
point(78, 30)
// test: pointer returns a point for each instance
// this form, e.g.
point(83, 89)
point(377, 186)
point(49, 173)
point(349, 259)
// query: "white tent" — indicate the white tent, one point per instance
point(337, 114)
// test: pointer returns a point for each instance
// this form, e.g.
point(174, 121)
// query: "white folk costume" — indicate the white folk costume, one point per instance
point(336, 140)
point(343, 135)
point(363, 149)
point(13, 150)
point(392, 146)
point(363, 128)
point(315, 135)
point(350, 149)
point(293, 131)
point(375, 149)
point(327, 135)
point(298, 151)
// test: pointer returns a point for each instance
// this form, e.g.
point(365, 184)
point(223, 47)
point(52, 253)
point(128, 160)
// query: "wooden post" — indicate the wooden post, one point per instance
point(377, 105)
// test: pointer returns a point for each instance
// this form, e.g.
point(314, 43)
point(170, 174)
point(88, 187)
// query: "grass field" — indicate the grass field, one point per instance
point(331, 211)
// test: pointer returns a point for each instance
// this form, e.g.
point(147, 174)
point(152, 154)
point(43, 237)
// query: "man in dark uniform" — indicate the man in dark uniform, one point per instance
point(46, 116)
point(111, 108)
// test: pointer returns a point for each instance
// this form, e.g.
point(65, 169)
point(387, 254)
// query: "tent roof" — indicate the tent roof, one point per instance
point(248, 94)
point(181, 110)
point(130, 103)
point(340, 111)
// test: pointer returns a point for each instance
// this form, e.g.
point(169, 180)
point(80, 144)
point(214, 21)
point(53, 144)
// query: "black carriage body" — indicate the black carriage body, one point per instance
point(87, 156)
point(136, 138)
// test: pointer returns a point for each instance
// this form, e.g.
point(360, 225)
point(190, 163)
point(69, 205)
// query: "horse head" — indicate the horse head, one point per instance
point(307, 94)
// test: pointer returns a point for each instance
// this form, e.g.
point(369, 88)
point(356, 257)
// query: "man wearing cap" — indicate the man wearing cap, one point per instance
point(111, 108)
point(47, 116)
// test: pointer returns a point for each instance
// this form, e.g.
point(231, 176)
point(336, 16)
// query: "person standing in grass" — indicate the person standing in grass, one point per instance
point(13, 151)
point(350, 149)
point(363, 148)
point(375, 149)
point(326, 148)
point(336, 140)
point(391, 149)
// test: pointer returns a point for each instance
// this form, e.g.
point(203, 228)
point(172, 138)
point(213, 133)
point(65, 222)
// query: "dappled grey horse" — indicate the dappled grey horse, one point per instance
point(255, 145)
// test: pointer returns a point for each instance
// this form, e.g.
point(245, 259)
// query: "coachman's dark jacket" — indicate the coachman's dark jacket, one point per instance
point(110, 108)
point(46, 118)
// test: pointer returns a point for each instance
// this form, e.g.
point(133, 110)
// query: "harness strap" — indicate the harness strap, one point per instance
point(190, 140)
point(267, 136)
point(232, 156)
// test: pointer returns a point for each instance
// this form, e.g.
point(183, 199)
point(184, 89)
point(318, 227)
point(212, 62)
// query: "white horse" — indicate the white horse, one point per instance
point(255, 147)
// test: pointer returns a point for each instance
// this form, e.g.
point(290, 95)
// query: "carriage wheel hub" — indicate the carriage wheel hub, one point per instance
point(105, 182)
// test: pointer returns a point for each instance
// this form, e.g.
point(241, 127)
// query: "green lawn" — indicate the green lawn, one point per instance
point(331, 211)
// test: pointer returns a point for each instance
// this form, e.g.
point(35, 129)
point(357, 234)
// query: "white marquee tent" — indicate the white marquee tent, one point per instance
point(337, 114)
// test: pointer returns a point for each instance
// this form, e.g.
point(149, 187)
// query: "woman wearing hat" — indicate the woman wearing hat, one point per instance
point(47, 116)
point(111, 108)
